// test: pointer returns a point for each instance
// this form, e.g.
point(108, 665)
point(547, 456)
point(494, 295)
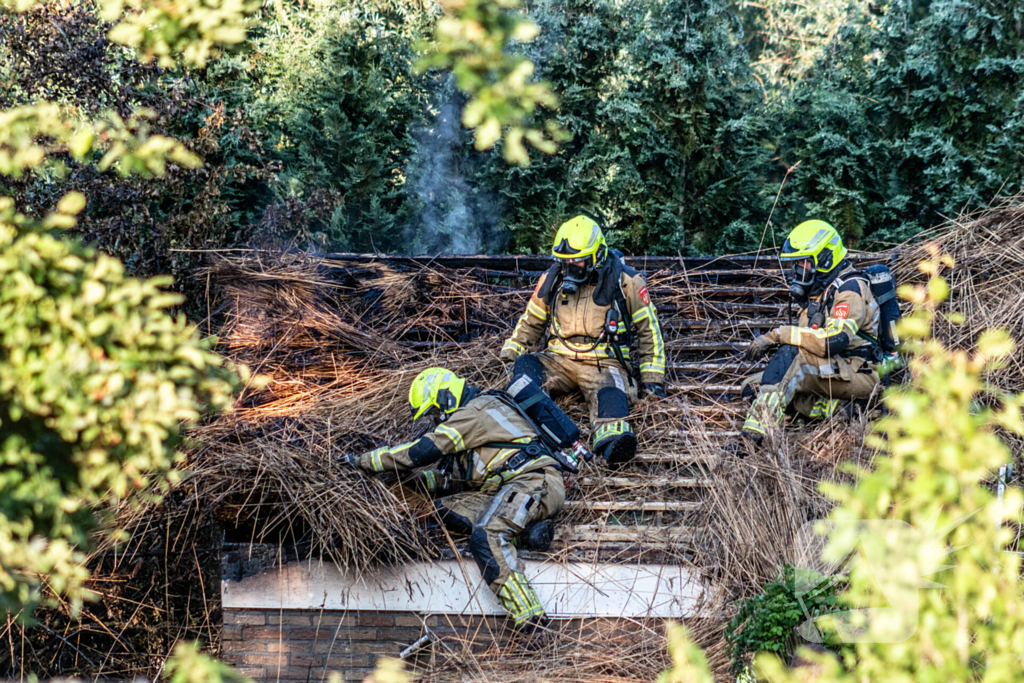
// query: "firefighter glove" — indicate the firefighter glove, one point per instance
point(760, 346)
point(656, 388)
point(350, 460)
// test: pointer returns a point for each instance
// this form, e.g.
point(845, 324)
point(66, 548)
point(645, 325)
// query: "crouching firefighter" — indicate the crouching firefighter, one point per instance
point(846, 328)
point(589, 302)
point(496, 473)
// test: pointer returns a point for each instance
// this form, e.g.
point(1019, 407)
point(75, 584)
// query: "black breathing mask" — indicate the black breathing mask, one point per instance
point(574, 276)
point(803, 279)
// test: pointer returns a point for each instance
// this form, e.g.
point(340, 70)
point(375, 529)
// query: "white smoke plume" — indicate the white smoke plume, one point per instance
point(453, 214)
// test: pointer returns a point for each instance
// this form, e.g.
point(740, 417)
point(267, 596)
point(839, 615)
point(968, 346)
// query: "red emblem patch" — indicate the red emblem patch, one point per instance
point(644, 296)
point(841, 311)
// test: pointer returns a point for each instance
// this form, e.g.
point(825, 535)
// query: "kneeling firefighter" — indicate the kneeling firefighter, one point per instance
point(499, 474)
point(589, 302)
point(845, 330)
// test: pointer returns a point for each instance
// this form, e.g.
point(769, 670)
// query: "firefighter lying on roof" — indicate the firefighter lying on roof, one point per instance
point(831, 358)
point(589, 302)
point(496, 475)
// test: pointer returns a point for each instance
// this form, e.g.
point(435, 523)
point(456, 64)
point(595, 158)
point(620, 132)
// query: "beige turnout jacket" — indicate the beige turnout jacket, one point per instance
point(465, 434)
point(575, 322)
point(853, 310)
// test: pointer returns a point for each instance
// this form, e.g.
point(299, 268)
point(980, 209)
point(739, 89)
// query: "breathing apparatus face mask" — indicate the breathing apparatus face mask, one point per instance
point(575, 274)
point(802, 279)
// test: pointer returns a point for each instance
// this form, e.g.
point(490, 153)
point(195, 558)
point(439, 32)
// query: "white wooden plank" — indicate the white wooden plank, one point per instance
point(454, 587)
point(640, 506)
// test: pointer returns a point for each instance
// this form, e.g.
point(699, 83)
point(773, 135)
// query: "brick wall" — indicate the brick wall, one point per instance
point(300, 645)
point(309, 645)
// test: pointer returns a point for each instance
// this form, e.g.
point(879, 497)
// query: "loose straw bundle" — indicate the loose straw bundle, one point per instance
point(986, 284)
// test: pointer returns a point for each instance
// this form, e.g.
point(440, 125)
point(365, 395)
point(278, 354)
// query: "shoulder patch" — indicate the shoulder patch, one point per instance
point(841, 311)
point(644, 296)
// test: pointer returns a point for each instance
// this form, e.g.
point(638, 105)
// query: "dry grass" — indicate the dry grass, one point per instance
point(341, 346)
point(755, 505)
point(342, 342)
point(986, 283)
point(586, 651)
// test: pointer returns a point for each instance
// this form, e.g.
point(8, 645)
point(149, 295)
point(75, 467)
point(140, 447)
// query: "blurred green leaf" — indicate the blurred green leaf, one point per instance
point(472, 39)
point(96, 378)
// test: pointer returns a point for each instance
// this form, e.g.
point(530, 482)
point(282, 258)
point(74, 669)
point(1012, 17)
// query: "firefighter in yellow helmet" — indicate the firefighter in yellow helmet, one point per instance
point(830, 358)
point(496, 480)
point(590, 302)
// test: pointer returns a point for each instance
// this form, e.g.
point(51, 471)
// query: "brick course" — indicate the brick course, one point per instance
point(309, 645)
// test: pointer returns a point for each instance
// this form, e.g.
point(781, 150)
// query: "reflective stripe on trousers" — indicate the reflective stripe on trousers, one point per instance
point(518, 597)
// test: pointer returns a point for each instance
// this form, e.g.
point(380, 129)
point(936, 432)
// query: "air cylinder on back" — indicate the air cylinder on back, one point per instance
point(557, 428)
point(883, 288)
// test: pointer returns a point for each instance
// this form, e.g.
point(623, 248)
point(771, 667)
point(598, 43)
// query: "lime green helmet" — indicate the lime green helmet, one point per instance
point(815, 250)
point(436, 388)
point(579, 248)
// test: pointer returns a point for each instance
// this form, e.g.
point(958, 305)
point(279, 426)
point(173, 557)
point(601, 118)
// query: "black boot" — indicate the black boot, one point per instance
point(744, 444)
point(534, 634)
point(854, 409)
point(619, 451)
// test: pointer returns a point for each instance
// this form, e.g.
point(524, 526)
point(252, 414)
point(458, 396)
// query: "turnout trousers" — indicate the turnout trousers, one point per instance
point(606, 388)
point(492, 520)
point(812, 385)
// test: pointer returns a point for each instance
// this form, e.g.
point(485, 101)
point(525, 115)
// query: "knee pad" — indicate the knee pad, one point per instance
point(529, 365)
point(779, 364)
point(485, 560)
point(453, 521)
point(538, 535)
point(612, 402)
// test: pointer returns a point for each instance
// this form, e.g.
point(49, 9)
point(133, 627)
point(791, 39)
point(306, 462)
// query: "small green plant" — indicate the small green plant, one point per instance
point(188, 665)
point(766, 622)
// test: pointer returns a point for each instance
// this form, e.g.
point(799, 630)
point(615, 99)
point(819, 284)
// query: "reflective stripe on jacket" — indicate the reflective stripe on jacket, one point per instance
point(483, 420)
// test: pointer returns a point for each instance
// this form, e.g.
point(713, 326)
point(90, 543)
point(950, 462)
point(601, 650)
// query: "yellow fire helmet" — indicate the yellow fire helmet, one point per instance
point(436, 388)
point(580, 238)
point(814, 248)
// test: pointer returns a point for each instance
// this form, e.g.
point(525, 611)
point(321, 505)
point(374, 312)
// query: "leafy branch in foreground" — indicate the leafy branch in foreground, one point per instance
point(32, 135)
point(193, 30)
point(473, 39)
point(190, 30)
point(96, 378)
point(188, 665)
